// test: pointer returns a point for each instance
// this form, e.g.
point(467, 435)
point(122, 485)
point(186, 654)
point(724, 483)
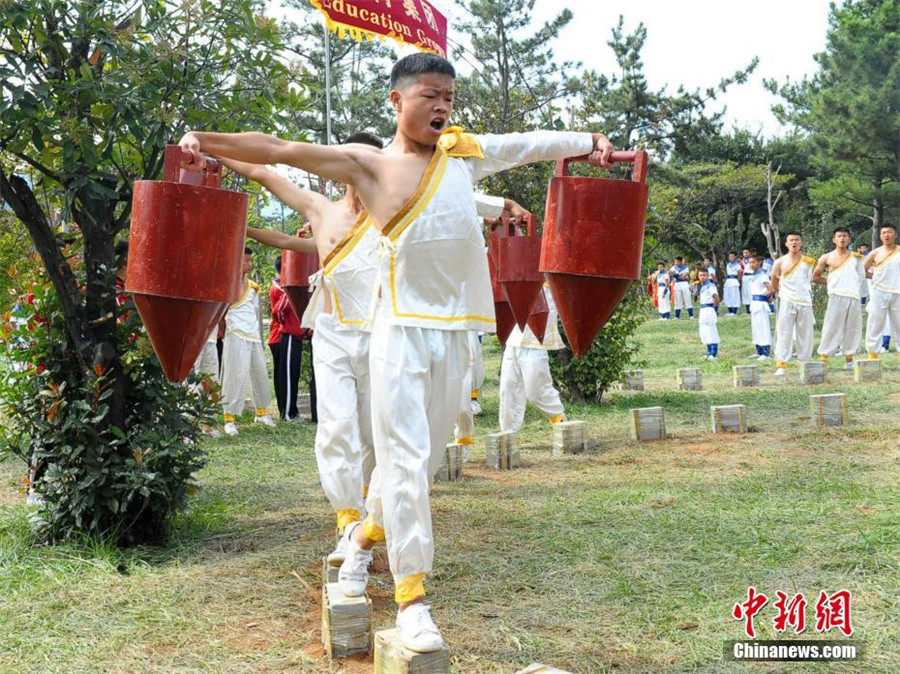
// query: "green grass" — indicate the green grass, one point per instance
point(626, 559)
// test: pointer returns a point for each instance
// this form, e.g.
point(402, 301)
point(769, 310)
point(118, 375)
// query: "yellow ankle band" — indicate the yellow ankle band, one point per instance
point(475, 393)
point(468, 440)
point(873, 356)
point(261, 411)
point(229, 418)
point(345, 517)
point(411, 587)
point(371, 530)
point(559, 418)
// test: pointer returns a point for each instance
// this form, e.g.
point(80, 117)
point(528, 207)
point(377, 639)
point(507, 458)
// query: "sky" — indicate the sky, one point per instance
point(696, 43)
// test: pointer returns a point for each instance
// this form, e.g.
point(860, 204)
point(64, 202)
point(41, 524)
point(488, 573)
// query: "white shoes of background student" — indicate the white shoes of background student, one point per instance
point(265, 420)
point(230, 428)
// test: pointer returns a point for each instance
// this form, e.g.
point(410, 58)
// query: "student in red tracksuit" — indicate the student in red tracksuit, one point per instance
point(275, 295)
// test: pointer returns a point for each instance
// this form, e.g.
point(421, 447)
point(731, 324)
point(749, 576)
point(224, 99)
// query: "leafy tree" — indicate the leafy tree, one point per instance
point(851, 110)
point(91, 92)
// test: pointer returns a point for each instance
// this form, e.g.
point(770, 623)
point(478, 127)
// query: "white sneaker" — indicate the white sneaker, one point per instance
point(231, 428)
point(354, 574)
point(753, 356)
point(475, 407)
point(848, 365)
point(337, 556)
point(780, 372)
point(417, 630)
point(763, 358)
point(712, 358)
point(265, 420)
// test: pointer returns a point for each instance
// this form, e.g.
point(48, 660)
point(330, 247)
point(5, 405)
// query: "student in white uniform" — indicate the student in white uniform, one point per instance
point(243, 360)
point(791, 278)
point(732, 288)
point(760, 292)
point(661, 283)
point(346, 244)
point(525, 373)
point(864, 285)
point(884, 304)
point(746, 295)
point(681, 274)
point(433, 277)
point(767, 264)
point(842, 325)
point(709, 307)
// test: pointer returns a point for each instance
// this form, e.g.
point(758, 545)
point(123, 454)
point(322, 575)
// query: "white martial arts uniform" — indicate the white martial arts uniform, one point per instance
point(663, 299)
point(208, 360)
point(795, 318)
point(884, 302)
point(345, 452)
point(525, 373)
point(242, 356)
point(760, 326)
point(746, 280)
point(433, 278)
point(682, 290)
point(709, 333)
point(842, 325)
point(732, 287)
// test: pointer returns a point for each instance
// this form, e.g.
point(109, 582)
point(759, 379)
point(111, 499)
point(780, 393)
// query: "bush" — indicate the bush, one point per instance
point(121, 484)
point(610, 354)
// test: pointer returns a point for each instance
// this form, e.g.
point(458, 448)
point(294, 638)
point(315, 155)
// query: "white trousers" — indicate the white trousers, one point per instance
point(345, 453)
point(746, 295)
point(477, 361)
point(760, 326)
point(841, 327)
point(793, 321)
point(243, 363)
point(465, 422)
point(683, 296)
point(731, 293)
point(884, 311)
point(208, 361)
point(663, 305)
point(417, 378)
point(525, 377)
point(709, 332)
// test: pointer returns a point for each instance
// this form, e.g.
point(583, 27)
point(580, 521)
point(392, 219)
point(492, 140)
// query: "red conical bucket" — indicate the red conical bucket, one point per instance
point(184, 259)
point(593, 241)
point(296, 268)
point(502, 313)
point(539, 315)
point(517, 258)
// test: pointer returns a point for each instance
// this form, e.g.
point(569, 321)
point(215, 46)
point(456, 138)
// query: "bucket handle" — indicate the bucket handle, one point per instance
point(638, 157)
point(509, 229)
point(174, 161)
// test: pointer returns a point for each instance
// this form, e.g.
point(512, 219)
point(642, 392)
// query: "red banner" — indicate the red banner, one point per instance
point(414, 22)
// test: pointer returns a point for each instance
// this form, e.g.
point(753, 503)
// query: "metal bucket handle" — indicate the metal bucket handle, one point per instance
point(638, 157)
point(509, 229)
point(174, 161)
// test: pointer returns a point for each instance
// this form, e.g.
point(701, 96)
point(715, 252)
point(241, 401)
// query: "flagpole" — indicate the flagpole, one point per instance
point(327, 93)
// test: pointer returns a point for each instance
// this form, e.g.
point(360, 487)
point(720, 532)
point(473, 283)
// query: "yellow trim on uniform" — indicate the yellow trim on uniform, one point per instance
point(824, 359)
point(841, 265)
point(229, 418)
point(475, 393)
point(365, 490)
point(244, 295)
point(794, 268)
point(559, 418)
point(371, 530)
point(359, 227)
point(873, 356)
point(811, 261)
point(345, 517)
point(457, 143)
point(261, 411)
point(848, 359)
point(781, 364)
point(411, 587)
point(896, 250)
point(340, 313)
point(468, 440)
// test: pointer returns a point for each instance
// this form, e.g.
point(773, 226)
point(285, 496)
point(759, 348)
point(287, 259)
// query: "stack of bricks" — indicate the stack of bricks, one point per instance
point(648, 423)
point(745, 375)
point(728, 419)
point(451, 466)
point(829, 410)
point(500, 451)
point(346, 623)
point(392, 657)
point(634, 380)
point(690, 379)
point(569, 437)
point(867, 370)
point(813, 372)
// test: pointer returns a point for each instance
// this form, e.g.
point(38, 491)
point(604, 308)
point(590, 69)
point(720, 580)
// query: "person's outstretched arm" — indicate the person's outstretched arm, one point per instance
point(305, 202)
point(270, 237)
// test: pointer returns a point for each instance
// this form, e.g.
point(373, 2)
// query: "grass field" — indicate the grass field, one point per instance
point(626, 559)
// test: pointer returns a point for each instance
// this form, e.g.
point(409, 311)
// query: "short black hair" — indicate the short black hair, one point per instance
point(417, 64)
point(731, 252)
point(679, 259)
point(121, 252)
point(838, 230)
point(278, 264)
point(365, 138)
point(248, 250)
point(792, 233)
point(887, 225)
point(660, 264)
point(753, 257)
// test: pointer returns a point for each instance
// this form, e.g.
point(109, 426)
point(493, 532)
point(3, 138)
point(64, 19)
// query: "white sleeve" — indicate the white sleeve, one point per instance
point(489, 206)
point(506, 151)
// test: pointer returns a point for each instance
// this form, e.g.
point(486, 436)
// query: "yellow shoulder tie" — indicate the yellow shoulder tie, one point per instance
point(811, 261)
point(253, 285)
point(858, 255)
point(457, 143)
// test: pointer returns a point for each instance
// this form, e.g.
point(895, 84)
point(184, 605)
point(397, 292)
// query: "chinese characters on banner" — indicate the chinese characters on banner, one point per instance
point(832, 612)
point(415, 22)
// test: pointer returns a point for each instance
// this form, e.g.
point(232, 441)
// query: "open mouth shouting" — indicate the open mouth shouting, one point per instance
point(437, 123)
